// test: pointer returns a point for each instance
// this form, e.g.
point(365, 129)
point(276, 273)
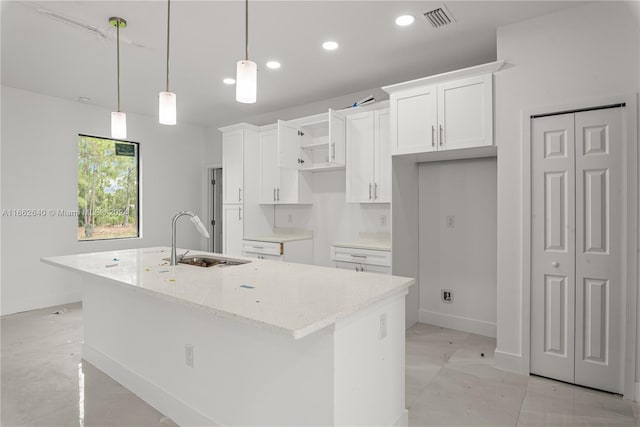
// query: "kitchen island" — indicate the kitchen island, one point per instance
point(262, 343)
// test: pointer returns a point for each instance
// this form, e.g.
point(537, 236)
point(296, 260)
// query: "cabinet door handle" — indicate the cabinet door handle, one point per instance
point(433, 136)
point(333, 150)
point(278, 194)
point(239, 213)
point(359, 256)
point(239, 194)
point(441, 137)
point(369, 191)
point(375, 191)
point(274, 194)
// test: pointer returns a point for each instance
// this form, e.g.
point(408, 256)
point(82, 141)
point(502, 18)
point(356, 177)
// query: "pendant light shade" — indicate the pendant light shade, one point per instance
point(118, 125)
point(246, 71)
point(166, 99)
point(167, 108)
point(118, 118)
point(246, 81)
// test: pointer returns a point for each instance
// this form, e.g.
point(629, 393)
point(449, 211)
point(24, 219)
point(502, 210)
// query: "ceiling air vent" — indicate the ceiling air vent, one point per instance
point(439, 17)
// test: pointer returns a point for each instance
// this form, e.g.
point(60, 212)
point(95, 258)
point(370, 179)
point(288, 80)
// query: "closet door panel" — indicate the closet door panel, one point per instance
point(599, 305)
point(553, 247)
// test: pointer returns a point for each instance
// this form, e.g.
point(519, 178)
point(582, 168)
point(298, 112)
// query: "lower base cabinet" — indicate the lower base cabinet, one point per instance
point(361, 260)
point(298, 251)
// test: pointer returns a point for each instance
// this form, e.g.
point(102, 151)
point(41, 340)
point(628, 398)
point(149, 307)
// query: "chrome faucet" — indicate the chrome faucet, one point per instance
point(199, 225)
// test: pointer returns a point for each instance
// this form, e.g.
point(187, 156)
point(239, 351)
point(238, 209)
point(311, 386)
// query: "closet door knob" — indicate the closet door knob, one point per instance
point(555, 264)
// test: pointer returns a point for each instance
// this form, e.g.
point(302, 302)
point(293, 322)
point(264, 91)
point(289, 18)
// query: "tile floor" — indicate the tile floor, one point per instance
point(448, 383)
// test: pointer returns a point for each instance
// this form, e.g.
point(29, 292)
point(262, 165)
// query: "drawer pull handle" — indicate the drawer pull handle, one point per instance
point(358, 256)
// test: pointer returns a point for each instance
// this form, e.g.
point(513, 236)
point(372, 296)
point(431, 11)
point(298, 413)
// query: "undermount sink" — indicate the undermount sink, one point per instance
point(210, 261)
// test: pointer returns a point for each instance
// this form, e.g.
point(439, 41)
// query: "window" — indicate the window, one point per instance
point(108, 189)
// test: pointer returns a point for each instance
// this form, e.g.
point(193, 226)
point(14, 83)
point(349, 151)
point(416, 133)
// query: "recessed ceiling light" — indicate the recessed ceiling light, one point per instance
point(404, 20)
point(84, 99)
point(330, 45)
point(274, 65)
point(229, 81)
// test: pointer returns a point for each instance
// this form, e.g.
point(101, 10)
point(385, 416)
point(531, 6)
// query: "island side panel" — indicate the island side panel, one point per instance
point(369, 350)
point(241, 375)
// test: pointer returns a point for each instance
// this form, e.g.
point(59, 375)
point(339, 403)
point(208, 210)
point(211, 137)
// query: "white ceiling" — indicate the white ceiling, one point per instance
point(47, 47)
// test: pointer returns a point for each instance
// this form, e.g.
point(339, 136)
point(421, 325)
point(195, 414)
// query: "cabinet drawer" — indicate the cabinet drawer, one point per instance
point(263, 256)
point(363, 267)
point(361, 256)
point(262, 248)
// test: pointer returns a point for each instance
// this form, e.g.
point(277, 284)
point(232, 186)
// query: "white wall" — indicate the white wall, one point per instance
point(39, 171)
point(331, 218)
point(463, 258)
point(574, 55)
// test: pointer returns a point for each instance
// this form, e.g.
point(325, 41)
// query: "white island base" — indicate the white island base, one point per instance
point(350, 372)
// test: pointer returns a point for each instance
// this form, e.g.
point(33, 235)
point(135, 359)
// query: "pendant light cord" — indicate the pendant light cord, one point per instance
point(118, 57)
point(168, 29)
point(246, 30)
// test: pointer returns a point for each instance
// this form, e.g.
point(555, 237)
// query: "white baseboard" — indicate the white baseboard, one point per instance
point(480, 327)
point(509, 362)
point(37, 303)
point(636, 390)
point(178, 411)
point(403, 421)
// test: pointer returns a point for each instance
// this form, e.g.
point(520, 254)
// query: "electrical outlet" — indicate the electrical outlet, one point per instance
point(188, 355)
point(451, 221)
point(290, 218)
point(383, 326)
point(383, 220)
point(447, 296)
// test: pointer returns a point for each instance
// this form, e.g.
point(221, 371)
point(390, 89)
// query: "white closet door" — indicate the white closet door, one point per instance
point(599, 305)
point(553, 247)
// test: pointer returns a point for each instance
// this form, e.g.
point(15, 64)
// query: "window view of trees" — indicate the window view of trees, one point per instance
point(107, 189)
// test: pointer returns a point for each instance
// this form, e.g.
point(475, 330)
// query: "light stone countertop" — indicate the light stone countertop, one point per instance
point(293, 299)
point(283, 235)
point(365, 240)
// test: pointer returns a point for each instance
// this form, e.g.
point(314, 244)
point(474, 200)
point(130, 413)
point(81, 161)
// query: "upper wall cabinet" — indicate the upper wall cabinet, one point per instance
point(323, 142)
point(368, 172)
point(279, 177)
point(234, 139)
point(444, 112)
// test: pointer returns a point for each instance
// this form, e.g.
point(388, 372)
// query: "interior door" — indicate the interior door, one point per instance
point(216, 210)
point(599, 265)
point(553, 247)
point(577, 316)
point(360, 157)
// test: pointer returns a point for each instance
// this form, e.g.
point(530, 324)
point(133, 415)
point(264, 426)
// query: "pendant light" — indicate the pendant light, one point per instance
point(118, 118)
point(167, 100)
point(247, 71)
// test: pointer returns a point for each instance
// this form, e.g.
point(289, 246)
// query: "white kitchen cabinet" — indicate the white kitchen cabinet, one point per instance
point(358, 259)
point(233, 166)
point(444, 112)
point(233, 229)
point(298, 251)
point(322, 142)
point(451, 115)
point(280, 180)
point(368, 171)
point(465, 113)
